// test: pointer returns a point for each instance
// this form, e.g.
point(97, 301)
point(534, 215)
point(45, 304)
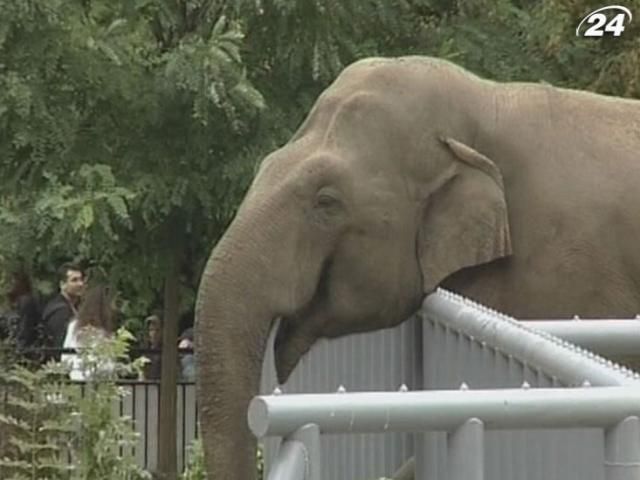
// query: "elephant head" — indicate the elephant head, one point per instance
point(374, 201)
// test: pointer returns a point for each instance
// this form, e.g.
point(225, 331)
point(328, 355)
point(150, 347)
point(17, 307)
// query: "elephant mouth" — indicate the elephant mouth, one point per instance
point(297, 332)
point(293, 338)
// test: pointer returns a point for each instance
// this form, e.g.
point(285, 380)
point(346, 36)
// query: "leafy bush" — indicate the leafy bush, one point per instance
point(195, 470)
point(36, 425)
point(63, 430)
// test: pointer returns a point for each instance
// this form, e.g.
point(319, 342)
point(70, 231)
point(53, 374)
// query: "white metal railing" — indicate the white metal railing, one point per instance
point(463, 414)
point(616, 337)
point(443, 410)
point(299, 456)
point(566, 361)
point(501, 344)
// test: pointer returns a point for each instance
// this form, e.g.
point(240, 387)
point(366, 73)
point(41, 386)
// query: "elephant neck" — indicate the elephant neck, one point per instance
point(480, 123)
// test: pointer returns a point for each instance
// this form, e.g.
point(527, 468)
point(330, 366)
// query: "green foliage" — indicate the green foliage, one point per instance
point(525, 40)
point(36, 422)
point(50, 420)
point(609, 65)
point(195, 470)
point(260, 462)
point(312, 41)
point(123, 133)
point(129, 131)
point(103, 443)
point(81, 212)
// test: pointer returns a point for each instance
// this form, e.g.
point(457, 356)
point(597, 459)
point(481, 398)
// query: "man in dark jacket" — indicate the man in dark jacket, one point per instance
point(63, 307)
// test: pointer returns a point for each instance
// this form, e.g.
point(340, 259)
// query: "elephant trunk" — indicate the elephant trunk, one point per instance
point(246, 285)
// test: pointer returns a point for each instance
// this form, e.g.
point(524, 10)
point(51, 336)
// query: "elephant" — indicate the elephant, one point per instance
point(408, 174)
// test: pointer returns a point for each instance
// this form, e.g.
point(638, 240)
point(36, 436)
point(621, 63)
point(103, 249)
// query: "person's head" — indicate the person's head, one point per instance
point(20, 285)
point(186, 339)
point(71, 280)
point(154, 330)
point(95, 310)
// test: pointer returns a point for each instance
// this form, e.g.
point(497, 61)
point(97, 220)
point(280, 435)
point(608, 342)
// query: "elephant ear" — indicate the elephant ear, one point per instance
point(465, 220)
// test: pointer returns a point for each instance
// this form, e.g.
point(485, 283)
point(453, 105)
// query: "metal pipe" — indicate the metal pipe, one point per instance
point(309, 436)
point(622, 450)
point(443, 410)
point(550, 354)
point(465, 448)
point(605, 337)
point(290, 462)
point(299, 456)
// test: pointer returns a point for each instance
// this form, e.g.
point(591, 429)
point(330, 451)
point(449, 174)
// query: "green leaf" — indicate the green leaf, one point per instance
point(85, 217)
point(118, 206)
point(219, 26)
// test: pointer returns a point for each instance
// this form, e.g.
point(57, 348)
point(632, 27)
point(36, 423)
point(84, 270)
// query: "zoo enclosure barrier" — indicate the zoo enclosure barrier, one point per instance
point(141, 403)
point(506, 402)
point(465, 415)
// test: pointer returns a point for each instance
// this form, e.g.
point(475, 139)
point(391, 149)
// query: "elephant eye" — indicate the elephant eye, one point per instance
point(324, 200)
point(327, 203)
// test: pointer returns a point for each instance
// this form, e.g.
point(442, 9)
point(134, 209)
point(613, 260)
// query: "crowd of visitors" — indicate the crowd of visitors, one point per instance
point(75, 318)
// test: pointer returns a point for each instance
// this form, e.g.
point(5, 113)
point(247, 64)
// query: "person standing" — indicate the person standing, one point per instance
point(59, 311)
point(93, 323)
point(187, 358)
point(153, 344)
point(21, 324)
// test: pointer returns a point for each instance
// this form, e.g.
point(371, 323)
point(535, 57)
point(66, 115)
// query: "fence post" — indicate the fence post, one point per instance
point(465, 451)
point(622, 450)
point(299, 456)
point(309, 435)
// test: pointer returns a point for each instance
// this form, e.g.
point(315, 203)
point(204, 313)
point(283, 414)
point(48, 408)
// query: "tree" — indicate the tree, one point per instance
point(123, 127)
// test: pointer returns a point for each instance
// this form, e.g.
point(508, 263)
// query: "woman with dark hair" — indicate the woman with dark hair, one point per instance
point(153, 341)
point(22, 324)
point(93, 322)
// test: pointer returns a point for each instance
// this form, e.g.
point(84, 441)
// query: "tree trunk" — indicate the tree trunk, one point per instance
point(167, 448)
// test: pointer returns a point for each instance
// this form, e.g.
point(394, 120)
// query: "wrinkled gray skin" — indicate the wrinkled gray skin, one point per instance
point(408, 174)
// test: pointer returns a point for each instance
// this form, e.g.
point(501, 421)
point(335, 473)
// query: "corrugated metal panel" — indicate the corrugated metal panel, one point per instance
point(452, 358)
point(381, 360)
point(429, 355)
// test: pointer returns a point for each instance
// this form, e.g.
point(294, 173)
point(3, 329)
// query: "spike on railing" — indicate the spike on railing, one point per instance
point(598, 368)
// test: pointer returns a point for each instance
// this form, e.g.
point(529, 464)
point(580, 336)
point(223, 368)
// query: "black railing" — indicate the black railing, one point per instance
point(142, 404)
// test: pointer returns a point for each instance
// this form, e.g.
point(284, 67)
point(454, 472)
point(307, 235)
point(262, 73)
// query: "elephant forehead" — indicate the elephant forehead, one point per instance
point(364, 122)
point(354, 107)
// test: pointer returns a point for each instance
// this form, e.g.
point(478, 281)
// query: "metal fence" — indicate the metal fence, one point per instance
point(467, 417)
point(141, 403)
point(450, 342)
point(378, 361)
point(465, 342)
point(455, 342)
